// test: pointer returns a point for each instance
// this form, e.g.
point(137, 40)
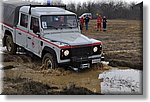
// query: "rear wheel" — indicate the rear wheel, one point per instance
point(10, 45)
point(49, 61)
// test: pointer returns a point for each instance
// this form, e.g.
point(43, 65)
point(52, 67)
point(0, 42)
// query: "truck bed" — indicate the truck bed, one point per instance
point(11, 10)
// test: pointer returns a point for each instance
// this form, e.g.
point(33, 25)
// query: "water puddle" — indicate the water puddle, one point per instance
point(115, 81)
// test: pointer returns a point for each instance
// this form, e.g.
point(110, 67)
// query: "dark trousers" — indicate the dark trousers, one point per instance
point(104, 26)
point(86, 25)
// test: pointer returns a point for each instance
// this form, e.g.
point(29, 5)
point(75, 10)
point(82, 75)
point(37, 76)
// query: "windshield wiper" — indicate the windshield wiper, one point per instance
point(52, 26)
point(65, 25)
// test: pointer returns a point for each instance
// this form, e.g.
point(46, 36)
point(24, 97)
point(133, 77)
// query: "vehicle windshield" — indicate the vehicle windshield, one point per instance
point(59, 22)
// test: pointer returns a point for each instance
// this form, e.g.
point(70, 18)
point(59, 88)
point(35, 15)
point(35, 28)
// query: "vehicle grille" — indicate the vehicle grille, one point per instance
point(82, 51)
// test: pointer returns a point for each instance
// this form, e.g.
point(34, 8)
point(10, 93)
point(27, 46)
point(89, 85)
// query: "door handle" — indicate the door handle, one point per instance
point(29, 38)
point(19, 33)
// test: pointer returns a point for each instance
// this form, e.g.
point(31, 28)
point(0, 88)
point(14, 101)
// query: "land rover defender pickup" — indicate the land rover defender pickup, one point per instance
point(51, 32)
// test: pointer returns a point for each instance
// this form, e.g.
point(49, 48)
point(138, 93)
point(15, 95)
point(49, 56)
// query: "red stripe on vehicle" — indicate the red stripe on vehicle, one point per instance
point(38, 37)
point(62, 47)
point(7, 24)
point(93, 44)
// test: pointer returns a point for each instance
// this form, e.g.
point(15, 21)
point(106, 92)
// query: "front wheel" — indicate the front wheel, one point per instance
point(10, 45)
point(49, 61)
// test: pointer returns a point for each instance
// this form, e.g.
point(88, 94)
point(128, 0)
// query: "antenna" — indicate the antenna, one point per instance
point(30, 10)
point(48, 2)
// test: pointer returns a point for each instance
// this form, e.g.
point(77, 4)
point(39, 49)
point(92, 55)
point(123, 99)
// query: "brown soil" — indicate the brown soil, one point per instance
point(122, 42)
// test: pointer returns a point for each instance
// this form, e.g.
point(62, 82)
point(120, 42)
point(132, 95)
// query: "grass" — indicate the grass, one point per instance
point(122, 42)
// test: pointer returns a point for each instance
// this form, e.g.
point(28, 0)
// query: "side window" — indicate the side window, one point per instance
point(24, 20)
point(34, 24)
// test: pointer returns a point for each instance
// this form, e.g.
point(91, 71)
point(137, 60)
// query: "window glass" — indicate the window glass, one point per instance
point(59, 22)
point(34, 24)
point(24, 20)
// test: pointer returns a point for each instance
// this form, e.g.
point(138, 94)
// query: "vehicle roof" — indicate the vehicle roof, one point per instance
point(38, 11)
point(11, 10)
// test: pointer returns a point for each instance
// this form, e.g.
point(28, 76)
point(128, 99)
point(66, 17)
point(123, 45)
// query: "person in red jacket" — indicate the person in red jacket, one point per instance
point(99, 23)
point(81, 23)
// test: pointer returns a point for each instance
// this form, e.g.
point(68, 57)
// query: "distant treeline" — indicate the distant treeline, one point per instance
point(112, 10)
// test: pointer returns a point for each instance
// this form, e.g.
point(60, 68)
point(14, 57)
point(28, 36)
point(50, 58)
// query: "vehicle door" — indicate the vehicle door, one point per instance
point(33, 38)
point(22, 29)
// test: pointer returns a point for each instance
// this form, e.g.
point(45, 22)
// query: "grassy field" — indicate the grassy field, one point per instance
point(122, 46)
point(122, 42)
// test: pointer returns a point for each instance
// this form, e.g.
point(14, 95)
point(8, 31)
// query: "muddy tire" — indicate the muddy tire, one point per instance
point(49, 61)
point(10, 45)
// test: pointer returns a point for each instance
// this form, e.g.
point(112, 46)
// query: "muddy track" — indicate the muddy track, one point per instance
point(28, 87)
point(55, 81)
point(122, 48)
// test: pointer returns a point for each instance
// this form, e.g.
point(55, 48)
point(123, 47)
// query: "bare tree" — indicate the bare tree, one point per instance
point(112, 10)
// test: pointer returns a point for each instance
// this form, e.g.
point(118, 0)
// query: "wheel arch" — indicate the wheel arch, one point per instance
point(51, 51)
point(6, 33)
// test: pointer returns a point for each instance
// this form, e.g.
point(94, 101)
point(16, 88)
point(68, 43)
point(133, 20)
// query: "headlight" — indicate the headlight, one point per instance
point(95, 49)
point(66, 52)
point(100, 46)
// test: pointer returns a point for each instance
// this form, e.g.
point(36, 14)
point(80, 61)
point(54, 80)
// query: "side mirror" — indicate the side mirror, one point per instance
point(38, 34)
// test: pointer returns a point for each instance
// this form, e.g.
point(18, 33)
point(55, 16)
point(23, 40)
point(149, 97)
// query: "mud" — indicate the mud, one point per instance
point(23, 75)
point(22, 86)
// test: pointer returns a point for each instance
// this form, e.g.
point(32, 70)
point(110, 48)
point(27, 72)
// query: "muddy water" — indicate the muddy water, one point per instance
point(126, 81)
point(21, 66)
point(61, 79)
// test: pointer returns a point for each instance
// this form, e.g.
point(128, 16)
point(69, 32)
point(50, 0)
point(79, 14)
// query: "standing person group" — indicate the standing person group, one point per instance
point(85, 20)
point(101, 20)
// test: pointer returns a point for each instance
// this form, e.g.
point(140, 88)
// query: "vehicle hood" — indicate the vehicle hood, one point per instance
point(69, 38)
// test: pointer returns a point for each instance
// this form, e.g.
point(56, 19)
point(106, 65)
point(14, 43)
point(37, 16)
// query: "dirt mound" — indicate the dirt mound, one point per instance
point(122, 63)
point(73, 90)
point(18, 58)
point(125, 58)
point(22, 86)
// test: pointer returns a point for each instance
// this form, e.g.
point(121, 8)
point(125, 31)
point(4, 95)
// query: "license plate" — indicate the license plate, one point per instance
point(96, 61)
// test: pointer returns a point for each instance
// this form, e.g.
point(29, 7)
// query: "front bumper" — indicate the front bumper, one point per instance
point(84, 62)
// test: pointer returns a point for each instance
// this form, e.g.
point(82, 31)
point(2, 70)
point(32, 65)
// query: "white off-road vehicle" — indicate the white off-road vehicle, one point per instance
point(50, 32)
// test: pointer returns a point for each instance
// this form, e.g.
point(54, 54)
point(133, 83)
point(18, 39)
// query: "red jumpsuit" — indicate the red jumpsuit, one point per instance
point(99, 22)
point(82, 22)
